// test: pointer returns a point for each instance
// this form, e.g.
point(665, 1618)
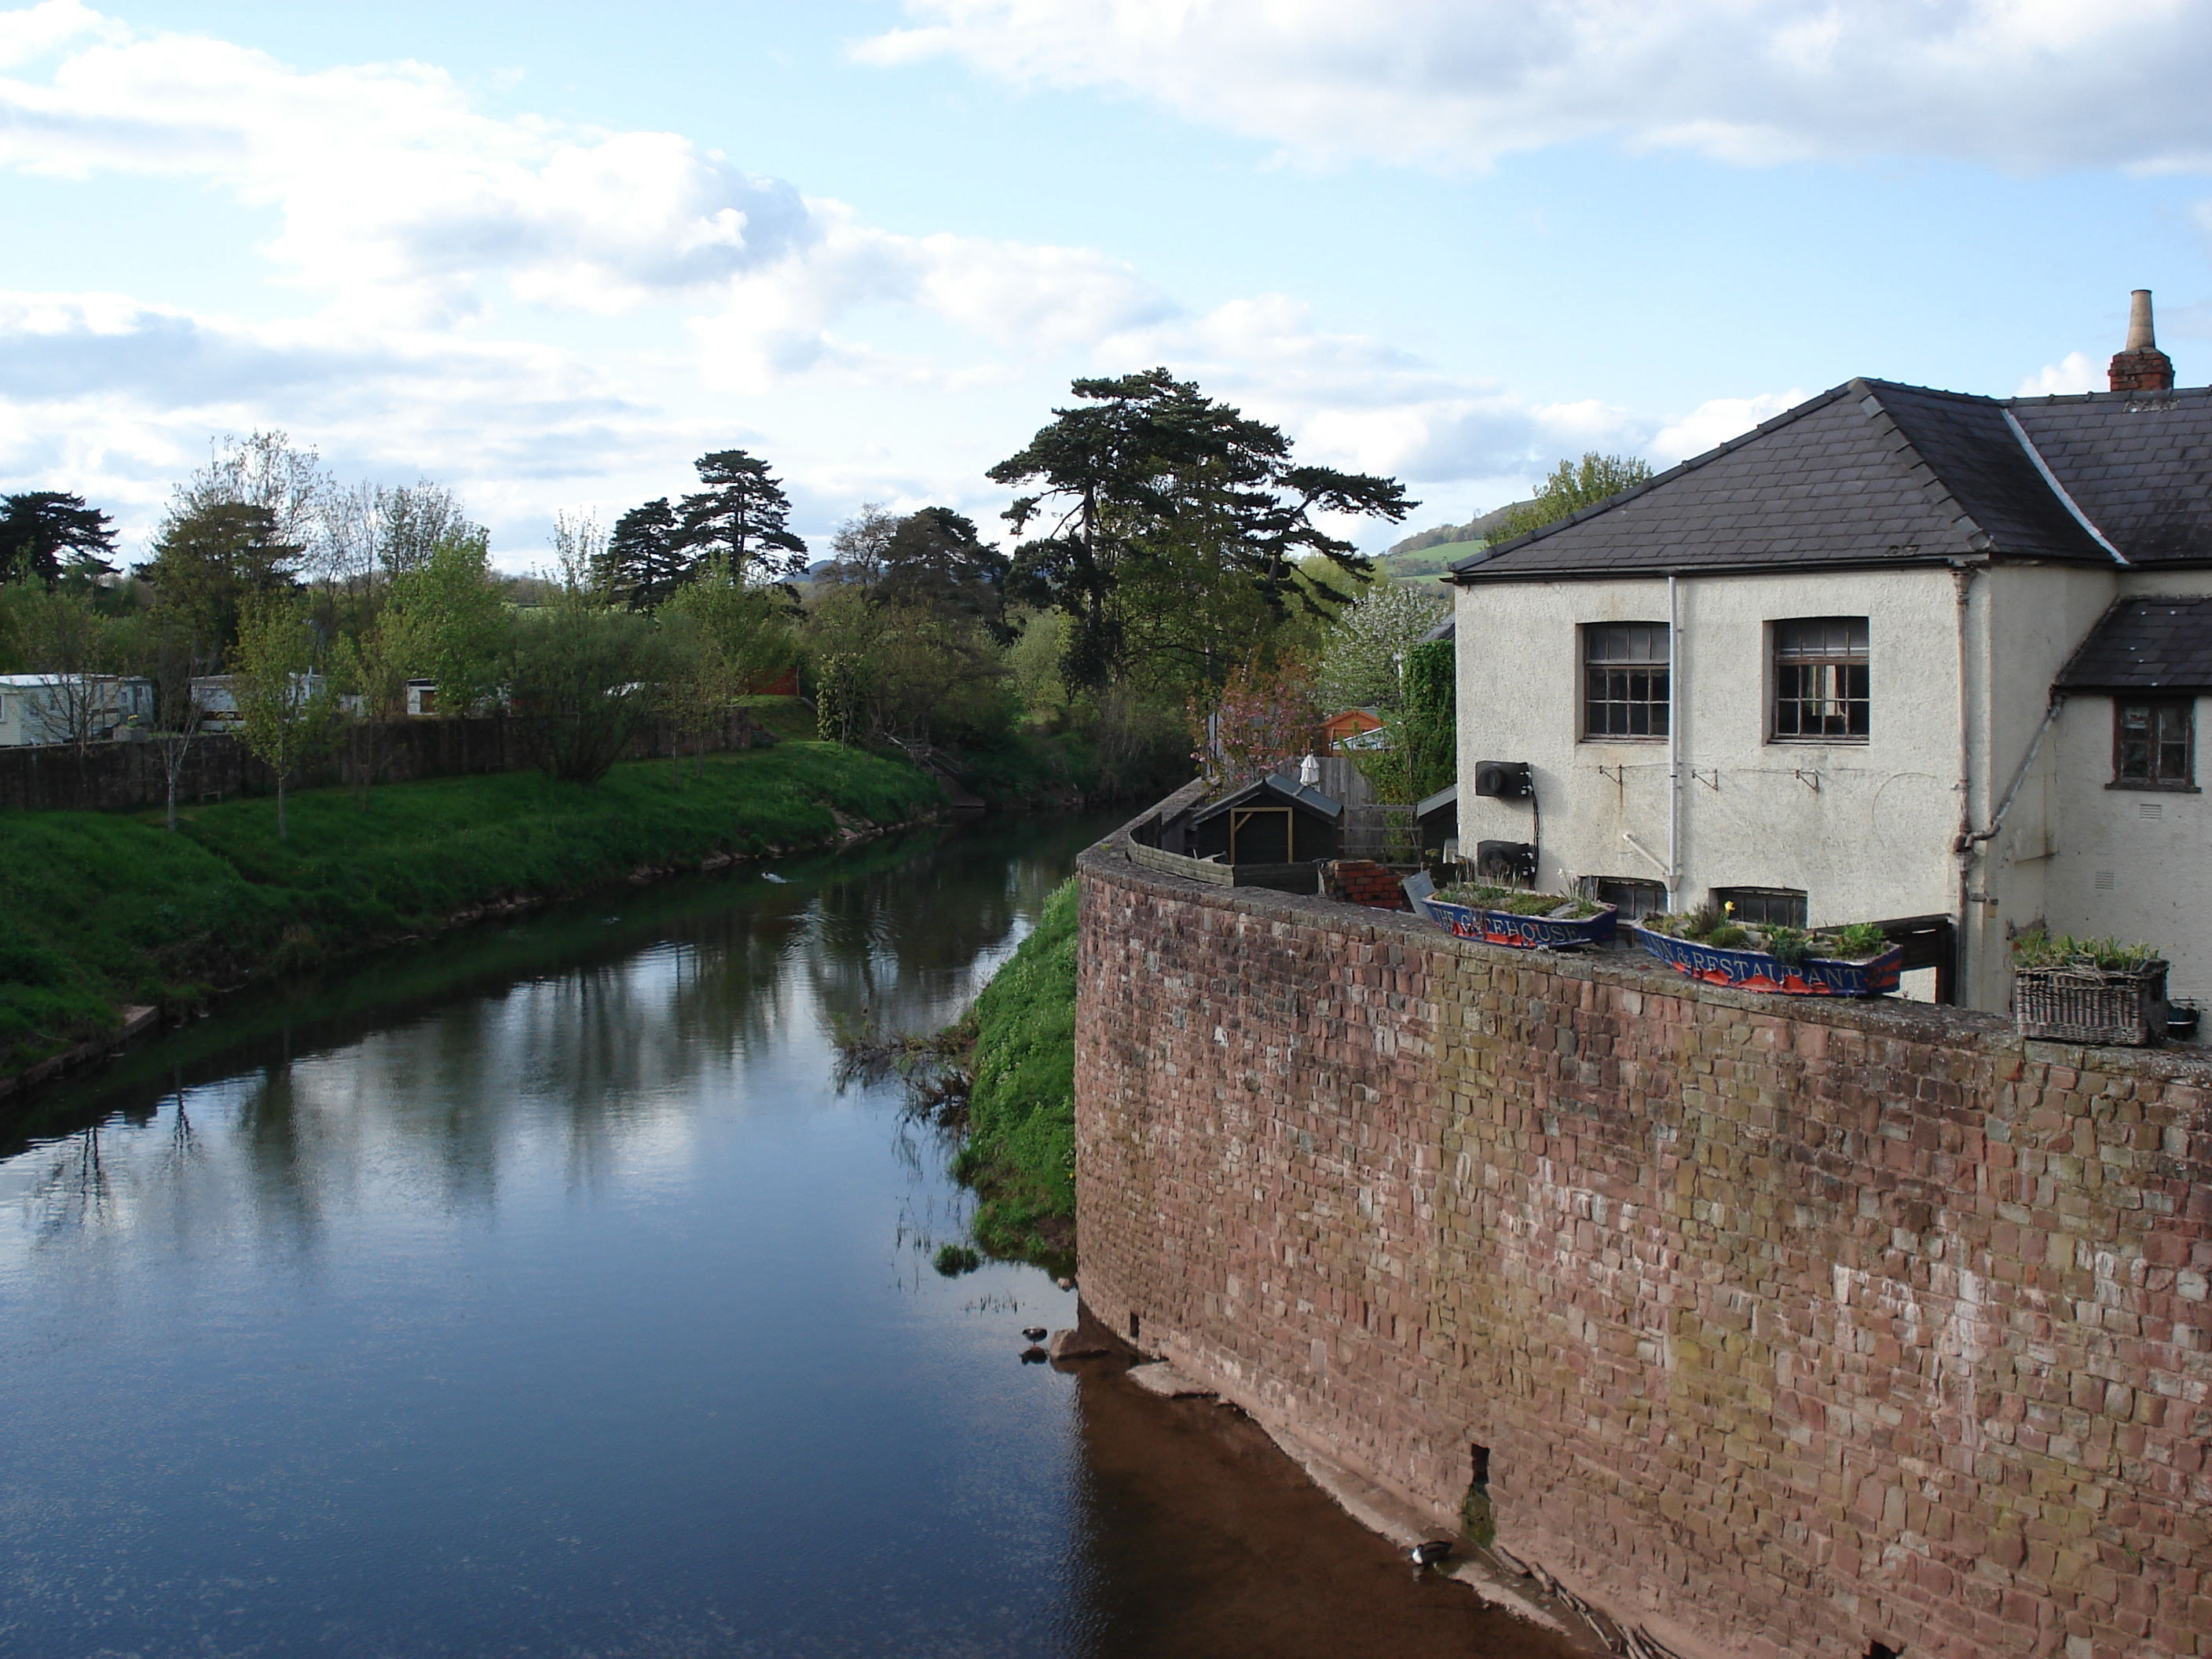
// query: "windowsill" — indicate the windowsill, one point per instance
point(1661, 738)
point(1820, 743)
point(2137, 786)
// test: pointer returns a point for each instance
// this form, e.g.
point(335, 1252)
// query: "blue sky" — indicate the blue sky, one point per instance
point(547, 253)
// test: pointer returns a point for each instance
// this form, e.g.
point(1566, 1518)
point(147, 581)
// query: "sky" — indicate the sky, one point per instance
point(547, 253)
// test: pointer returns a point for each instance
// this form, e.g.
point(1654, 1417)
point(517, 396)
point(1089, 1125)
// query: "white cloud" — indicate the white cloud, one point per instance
point(117, 399)
point(40, 29)
point(1352, 401)
point(777, 321)
point(2020, 84)
point(410, 213)
point(2076, 372)
point(1715, 422)
point(392, 191)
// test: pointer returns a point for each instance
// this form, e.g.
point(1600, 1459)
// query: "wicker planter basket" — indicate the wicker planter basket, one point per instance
point(2091, 1004)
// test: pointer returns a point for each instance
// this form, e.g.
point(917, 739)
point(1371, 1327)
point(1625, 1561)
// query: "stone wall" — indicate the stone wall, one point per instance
point(1788, 1329)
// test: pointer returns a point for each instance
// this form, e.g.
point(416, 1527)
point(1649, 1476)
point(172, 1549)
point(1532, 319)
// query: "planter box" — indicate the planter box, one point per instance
point(1522, 933)
point(1755, 971)
point(2091, 1004)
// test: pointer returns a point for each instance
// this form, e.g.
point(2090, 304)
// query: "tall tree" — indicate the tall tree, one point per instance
point(935, 560)
point(77, 654)
point(40, 526)
point(718, 635)
point(1147, 467)
point(643, 565)
point(742, 515)
point(267, 470)
point(449, 623)
point(285, 708)
point(169, 657)
point(210, 558)
point(412, 521)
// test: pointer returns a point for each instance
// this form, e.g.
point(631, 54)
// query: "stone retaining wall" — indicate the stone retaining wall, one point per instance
point(1787, 1328)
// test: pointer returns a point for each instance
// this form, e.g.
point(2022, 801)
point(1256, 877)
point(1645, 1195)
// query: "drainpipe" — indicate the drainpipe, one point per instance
point(1965, 844)
point(1674, 745)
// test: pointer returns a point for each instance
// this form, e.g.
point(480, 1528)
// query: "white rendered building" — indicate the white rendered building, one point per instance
point(1898, 655)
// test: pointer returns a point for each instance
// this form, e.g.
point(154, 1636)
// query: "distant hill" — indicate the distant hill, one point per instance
point(1429, 553)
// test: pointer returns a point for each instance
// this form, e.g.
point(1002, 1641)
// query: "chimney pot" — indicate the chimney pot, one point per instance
point(2141, 336)
point(2140, 365)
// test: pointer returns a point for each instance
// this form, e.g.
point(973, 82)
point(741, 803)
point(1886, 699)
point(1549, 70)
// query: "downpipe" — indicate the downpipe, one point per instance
point(1965, 846)
point(1673, 743)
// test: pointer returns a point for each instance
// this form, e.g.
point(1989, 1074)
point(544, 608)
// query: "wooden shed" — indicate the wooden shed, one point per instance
point(1276, 820)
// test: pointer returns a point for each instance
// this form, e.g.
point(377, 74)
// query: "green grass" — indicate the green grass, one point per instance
point(789, 718)
point(1019, 1154)
point(101, 909)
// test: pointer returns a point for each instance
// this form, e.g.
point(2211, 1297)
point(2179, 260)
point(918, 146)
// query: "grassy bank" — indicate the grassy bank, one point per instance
point(1019, 1153)
point(100, 909)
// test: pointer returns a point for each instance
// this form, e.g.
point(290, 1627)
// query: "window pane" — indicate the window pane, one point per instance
point(1625, 680)
point(1781, 907)
point(2155, 743)
point(1823, 683)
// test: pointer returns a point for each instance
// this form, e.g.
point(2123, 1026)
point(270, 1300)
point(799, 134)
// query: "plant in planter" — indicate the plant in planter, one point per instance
point(1524, 920)
point(2089, 990)
point(1857, 960)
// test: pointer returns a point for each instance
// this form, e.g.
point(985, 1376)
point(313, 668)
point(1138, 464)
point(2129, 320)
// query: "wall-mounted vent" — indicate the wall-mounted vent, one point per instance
point(1505, 860)
point(1503, 779)
point(2150, 811)
point(2105, 882)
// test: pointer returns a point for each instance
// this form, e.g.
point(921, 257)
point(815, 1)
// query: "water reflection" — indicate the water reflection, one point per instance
point(537, 1291)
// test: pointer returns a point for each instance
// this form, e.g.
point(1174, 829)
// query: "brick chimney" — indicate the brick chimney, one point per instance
point(2140, 365)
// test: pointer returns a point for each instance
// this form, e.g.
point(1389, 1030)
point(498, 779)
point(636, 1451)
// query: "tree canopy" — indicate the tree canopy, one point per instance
point(210, 558)
point(1147, 472)
point(741, 515)
point(1572, 486)
point(40, 526)
point(643, 565)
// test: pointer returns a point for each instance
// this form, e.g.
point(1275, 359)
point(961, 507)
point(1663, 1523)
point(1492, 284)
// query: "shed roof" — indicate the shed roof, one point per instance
point(1292, 794)
point(1876, 473)
point(2149, 644)
point(1447, 796)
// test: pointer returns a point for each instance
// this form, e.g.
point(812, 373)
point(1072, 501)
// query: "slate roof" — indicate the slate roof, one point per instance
point(1873, 473)
point(2153, 644)
point(1292, 793)
point(2138, 463)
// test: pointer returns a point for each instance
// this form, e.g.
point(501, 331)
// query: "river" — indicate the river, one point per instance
point(538, 1291)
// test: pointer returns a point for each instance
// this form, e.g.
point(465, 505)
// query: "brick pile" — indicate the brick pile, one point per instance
point(1362, 881)
point(1787, 1328)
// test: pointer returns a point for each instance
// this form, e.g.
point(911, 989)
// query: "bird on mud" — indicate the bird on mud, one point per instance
point(1035, 1333)
point(1433, 1553)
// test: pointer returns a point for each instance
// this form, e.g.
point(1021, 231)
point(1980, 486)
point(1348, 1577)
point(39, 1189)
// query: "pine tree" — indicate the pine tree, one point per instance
point(37, 527)
point(743, 516)
point(644, 565)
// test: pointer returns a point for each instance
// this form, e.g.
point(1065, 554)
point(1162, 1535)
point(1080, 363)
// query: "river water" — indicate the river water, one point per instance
point(540, 1292)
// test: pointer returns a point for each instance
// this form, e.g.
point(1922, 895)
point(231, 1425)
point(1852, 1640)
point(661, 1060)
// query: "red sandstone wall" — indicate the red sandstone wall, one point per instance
point(1789, 1329)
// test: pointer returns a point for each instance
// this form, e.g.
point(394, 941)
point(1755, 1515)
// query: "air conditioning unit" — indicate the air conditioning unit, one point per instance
point(1503, 779)
point(1505, 860)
